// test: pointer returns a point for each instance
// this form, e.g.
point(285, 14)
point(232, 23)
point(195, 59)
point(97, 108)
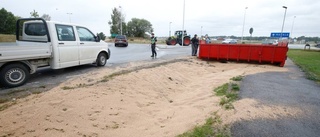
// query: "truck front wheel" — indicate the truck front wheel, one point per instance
point(102, 59)
point(14, 75)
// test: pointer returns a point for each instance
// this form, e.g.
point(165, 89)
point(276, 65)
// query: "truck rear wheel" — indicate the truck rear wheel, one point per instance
point(102, 59)
point(14, 75)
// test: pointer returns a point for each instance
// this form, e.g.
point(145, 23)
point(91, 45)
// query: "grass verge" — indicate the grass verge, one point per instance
point(212, 128)
point(308, 61)
point(229, 92)
point(7, 38)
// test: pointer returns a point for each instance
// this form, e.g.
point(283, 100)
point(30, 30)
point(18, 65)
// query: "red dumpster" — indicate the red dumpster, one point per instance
point(274, 54)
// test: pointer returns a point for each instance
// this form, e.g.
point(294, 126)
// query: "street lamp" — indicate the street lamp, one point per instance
point(244, 19)
point(284, 18)
point(170, 29)
point(201, 31)
point(69, 16)
point(182, 37)
point(120, 20)
point(292, 26)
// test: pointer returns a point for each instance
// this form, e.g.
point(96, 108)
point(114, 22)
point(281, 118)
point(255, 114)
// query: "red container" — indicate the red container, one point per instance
point(245, 52)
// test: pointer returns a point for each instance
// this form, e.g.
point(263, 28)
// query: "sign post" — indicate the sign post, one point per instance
point(278, 35)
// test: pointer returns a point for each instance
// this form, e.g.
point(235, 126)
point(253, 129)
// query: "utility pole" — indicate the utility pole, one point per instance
point(244, 20)
point(182, 37)
point(284, 18)
point(120, 20)
point(69, 16)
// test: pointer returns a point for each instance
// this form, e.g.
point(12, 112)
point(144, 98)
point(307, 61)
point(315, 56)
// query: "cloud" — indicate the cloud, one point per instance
point(216, 17)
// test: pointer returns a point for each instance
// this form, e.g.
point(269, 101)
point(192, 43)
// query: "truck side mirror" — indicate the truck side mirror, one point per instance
point(97, 38)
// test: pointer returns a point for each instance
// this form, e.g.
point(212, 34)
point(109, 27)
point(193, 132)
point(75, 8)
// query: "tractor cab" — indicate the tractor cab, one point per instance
point(178, 33)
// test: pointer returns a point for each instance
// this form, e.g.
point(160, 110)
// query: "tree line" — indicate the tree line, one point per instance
point(8, 20)
point(134, 28)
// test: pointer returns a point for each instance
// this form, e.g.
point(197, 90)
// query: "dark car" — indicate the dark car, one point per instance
point(120, 40)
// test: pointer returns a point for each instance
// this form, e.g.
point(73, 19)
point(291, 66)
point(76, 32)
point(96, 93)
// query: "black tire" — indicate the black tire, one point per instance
point(101, 59)
point(168, 42)
point(14, 75)
point(186, 41)
point(173, 41)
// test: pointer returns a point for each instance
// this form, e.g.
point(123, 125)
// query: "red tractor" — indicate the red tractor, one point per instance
point(177, 38)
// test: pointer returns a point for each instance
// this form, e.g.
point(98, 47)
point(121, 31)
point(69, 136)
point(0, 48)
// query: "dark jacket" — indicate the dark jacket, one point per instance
point(195, 41)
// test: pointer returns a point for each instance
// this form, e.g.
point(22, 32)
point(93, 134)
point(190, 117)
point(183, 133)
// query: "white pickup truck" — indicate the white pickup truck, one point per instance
point(43, 43)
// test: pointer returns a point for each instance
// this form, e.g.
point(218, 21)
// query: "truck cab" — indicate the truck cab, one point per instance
point(41, 43)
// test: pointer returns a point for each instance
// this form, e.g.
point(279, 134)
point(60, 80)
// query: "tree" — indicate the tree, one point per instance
point(116, 18)
point(7, 22)
point(138, 27)
point(46, 17)
point(34, 14)
point(101, 35)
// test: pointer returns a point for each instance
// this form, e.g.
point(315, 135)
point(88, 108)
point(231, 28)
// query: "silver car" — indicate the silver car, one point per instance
point(229, 41)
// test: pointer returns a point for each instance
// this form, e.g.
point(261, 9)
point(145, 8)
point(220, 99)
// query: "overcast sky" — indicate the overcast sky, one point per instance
point(215, 17)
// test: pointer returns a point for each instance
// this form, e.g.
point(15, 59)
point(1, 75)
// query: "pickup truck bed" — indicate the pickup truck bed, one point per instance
point(24, 51)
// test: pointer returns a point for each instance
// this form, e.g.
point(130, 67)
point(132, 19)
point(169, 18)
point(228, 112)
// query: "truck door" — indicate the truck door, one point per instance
point(67, 46)
point(88, 47)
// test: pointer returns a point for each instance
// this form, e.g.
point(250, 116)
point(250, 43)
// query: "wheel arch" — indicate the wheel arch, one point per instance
point(105, 52)
point(30, 68)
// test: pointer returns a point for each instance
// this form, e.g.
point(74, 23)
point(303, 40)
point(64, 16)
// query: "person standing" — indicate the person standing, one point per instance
point(194, 46)
point(153, 45)
point(207, 39)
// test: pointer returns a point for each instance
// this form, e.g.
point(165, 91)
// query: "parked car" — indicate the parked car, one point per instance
point(229, 41)
point(41, 43)
point(120, 40)
point(270, 42)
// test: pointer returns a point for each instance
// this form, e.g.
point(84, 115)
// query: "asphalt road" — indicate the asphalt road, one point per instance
point(289, 89)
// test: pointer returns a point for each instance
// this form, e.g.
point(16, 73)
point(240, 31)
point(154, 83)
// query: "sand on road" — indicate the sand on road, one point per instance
point(149, 99)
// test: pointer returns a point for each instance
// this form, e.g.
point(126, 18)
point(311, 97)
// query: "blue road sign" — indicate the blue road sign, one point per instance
point(278, 34)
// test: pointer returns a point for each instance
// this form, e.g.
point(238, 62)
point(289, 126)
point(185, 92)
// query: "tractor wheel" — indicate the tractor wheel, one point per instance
point(186, 41)
point(168, 42)
point(173, 42)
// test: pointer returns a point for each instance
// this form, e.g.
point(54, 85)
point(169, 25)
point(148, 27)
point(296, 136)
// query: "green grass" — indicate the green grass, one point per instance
point(222, 90)
point(212, 128)
point(237, 78)
point(235, 87)
point(229, 94)
point(308, 61)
